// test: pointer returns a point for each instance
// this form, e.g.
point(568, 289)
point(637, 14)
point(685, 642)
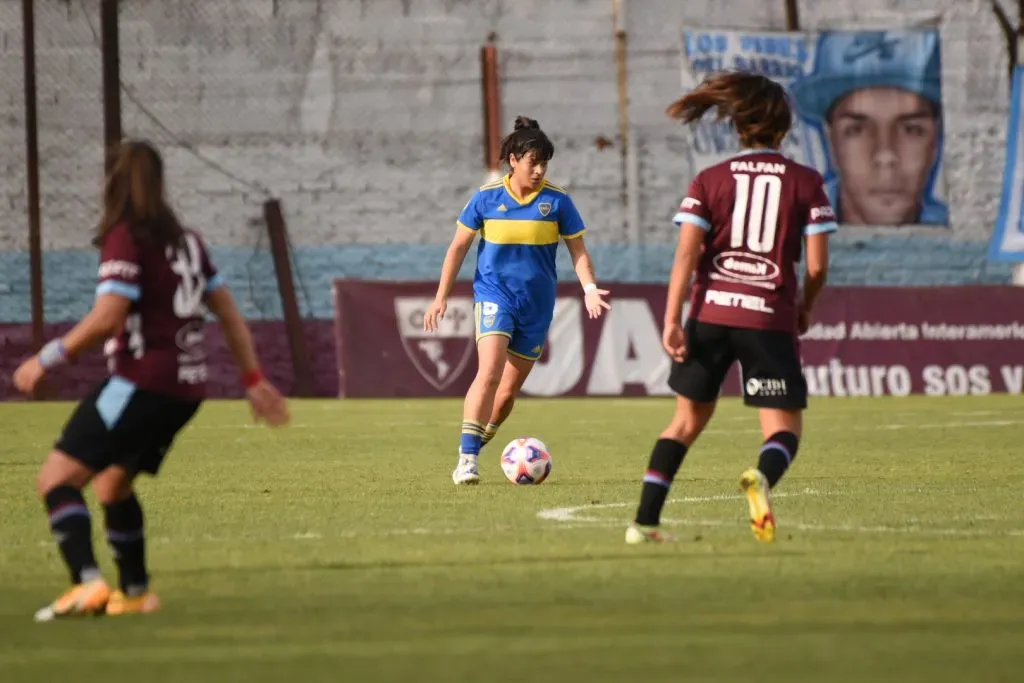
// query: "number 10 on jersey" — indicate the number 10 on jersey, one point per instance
point(757, 231)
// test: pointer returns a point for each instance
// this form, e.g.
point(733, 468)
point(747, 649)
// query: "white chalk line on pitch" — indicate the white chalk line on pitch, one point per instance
point(571, 513)
point(569, 517)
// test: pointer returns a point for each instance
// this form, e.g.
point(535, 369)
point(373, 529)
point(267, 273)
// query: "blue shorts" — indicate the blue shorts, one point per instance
point(526, 334)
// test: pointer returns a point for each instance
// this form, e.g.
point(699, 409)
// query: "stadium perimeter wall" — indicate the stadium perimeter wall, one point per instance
point(364, 118)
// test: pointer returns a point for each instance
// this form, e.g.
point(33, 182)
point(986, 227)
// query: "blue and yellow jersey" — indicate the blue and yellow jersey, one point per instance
point(518, 242)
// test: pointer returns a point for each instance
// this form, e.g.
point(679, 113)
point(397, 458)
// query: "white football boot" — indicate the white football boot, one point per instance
point(636, 534)
point(466, 472)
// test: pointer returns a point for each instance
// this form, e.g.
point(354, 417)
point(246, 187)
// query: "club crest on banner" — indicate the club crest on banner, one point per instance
point(439, 357)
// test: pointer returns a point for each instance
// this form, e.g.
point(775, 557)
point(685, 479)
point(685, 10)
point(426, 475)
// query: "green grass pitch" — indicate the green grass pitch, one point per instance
point(339, 550)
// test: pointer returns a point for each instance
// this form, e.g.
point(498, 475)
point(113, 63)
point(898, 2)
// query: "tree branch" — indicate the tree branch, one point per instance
point(1009, 33)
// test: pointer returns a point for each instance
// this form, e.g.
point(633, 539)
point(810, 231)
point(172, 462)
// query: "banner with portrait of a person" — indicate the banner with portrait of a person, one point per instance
point(1007, 243)
point(868, 114)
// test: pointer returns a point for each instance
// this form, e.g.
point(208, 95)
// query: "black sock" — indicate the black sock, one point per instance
point(666, 457)
point(777, 455)
point(72, 528)
point(126, 538)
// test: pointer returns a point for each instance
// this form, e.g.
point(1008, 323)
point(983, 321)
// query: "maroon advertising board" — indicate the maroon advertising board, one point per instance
point(865, 341)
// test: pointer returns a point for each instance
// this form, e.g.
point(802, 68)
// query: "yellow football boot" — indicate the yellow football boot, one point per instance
point(759, 499)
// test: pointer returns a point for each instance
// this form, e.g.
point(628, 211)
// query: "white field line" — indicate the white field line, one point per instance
point(418, 531)
point(571, 514)
point(571, 517)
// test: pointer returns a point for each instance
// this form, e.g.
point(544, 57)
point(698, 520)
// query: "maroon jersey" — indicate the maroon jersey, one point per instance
point(756, 208)
point(161, 347)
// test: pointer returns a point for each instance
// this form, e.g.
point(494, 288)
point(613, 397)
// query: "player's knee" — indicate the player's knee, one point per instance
point(112, 485)
point(688, 423)
point(683, 431)
point(113, 493)
point(60, 470)
point(487, 378)
point(488, 375)
point(777, 420)
point(45, 482)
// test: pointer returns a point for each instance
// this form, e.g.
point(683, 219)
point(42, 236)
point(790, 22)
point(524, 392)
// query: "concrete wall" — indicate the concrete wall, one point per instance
point(364, 117)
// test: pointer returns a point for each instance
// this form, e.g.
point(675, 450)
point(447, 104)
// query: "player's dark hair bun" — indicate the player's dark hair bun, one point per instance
point(525, 122)
point(526, 137)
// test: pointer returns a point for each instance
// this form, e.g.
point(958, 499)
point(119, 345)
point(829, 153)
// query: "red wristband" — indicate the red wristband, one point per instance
point(252, 378)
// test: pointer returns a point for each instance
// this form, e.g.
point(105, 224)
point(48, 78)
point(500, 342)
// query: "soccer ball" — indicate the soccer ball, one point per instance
point(526, 461)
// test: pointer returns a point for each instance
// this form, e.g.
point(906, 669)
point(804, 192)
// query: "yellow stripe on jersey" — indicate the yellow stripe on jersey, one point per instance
point(505, 231)
point(460, 224)
point(575, 235)
point(554, 187)
point(494, 183)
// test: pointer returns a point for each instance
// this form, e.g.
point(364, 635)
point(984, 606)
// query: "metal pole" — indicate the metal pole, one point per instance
point(492, 105)
point(622, 76)
point(35, 242)
point(630, 159)
point(277, 231)
point(793, 15)
point(110, 41)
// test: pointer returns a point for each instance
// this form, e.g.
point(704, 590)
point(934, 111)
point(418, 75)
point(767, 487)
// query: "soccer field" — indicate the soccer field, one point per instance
point(339, 550)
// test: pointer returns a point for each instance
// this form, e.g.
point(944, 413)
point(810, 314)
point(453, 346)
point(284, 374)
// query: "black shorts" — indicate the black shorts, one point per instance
point(769, 361)
point(118, 424)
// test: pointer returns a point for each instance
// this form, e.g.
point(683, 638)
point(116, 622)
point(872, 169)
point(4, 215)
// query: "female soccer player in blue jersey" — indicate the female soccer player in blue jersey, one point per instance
point(519, 218)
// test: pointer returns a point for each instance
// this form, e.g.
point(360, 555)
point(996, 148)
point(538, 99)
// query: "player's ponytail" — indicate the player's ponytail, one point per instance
point(134, 194)
point(757, 106)
point(526, 136)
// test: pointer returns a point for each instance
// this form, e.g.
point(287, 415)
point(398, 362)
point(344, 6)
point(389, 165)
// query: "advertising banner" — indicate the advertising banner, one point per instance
point(1008, 238)
point(865, 341)
point(868, 108)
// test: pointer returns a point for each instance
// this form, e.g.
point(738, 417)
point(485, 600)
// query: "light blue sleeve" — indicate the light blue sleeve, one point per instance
point(570, 223)
point(129, 291)
point(472, 217)
point(821, 217)
point(694, 209)
point(215, 282)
